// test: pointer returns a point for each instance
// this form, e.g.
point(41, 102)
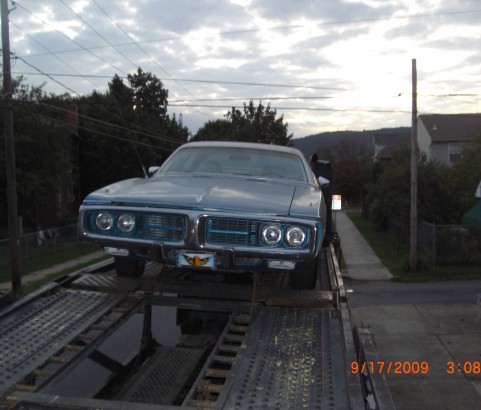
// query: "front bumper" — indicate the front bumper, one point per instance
point(228, 256)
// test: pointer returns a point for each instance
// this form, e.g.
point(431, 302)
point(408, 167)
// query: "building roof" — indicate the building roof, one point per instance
point(386, 144)
point(452, 127)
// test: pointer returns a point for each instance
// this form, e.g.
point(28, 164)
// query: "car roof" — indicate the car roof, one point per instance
point(237, 144)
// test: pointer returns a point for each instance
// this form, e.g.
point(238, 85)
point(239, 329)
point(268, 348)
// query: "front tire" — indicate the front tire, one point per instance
point(305, 278)
point(129, 268)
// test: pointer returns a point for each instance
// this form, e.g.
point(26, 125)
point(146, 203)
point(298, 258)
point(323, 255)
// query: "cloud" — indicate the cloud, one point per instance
point(360, 51)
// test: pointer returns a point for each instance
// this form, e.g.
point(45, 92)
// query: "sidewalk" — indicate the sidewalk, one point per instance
point(6, 287)
point(361, 261)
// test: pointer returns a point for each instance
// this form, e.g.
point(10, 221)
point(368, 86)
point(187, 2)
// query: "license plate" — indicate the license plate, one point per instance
point(287, 265)
point(116, 251)
point(196, 260)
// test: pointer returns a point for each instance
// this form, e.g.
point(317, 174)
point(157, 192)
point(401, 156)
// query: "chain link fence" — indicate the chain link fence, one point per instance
point(450, 245)
point(41, 243)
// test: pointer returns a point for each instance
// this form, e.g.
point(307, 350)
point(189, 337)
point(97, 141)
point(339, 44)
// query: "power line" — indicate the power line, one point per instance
point(48, 75)
point(54, 54)
point(191, 80)
point(147, 54)
point(99, 34)
point(252, 98)
point(96, 131)
point(241, 31)
point(72, 40)
point(138, 45)
point(138, 129)
point(114, 126)
point(297, 108)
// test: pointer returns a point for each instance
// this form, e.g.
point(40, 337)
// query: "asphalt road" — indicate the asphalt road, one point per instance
point(373, 293)
point(434, 324)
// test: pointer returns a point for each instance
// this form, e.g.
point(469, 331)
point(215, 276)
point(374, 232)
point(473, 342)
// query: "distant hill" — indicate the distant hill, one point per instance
point(339, 144)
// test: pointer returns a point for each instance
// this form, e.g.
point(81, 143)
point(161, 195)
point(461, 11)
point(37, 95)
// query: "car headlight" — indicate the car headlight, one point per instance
point(271, 234)
point(126, 223)
point(104, 221)
point(295, 236)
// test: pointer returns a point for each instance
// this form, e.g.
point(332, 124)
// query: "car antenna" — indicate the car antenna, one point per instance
point(146, 175)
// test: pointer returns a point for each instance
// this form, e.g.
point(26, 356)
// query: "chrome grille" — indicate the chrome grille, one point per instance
point(231, 231)
point(161, 227)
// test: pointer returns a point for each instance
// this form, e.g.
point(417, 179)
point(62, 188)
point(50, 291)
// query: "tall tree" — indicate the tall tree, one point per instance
point(148, 93)
point(220, 129)
point(125, 127)
point(352, 178)
point(252, 124)
point(259, 124)
point(43, 147)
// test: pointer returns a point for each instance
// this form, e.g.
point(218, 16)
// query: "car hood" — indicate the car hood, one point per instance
point(203, 192)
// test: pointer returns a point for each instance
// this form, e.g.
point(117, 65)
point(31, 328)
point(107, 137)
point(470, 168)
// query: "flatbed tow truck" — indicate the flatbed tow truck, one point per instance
point(170, 340)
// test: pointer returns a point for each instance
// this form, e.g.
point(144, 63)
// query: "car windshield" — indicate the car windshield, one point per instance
point(237, 161)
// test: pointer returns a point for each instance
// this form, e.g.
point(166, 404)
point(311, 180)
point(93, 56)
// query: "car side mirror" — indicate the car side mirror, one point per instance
point(153, 170)
point(324, 182)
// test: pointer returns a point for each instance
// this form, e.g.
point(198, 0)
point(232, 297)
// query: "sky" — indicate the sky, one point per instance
point(324, 65)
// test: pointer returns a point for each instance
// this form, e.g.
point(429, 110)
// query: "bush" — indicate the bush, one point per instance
point(458, 245)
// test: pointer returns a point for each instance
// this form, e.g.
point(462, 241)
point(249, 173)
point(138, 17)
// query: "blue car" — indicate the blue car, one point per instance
point(214, 206)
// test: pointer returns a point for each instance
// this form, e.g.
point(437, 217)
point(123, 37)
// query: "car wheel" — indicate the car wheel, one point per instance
point(304, 278)
point(130, 268)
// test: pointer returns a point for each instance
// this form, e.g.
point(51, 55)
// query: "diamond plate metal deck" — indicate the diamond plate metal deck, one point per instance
point(106, 282)
point(31, 335)
point(293, 359)
point(164, 376)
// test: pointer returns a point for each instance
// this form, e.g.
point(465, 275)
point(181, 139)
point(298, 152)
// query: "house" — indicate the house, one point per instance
point(442, 136)
point(385, 145)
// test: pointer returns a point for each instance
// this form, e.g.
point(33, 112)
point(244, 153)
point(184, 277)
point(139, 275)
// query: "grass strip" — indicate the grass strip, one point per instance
point(395, 256)
point(28, 266)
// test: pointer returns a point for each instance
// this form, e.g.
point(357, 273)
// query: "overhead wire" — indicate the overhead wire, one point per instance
point(274, 85)
point(99, 34)
point(47, 75)
point(50, 76)
point(71, 39)
point(146, 53)
point(298, 108)
point(289, 27)
point(232, 32)
point(137, 130)
point(54, 54)
point(105, 134)
point(114, 126)
point(251, 98)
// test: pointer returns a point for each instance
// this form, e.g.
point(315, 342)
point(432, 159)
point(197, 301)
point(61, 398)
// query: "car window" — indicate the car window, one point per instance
point(237, 161)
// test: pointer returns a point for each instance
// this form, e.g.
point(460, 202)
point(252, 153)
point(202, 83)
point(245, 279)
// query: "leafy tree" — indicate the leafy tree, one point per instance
point(352, 178)
point(253, 124)
point(390, 194)
point(42, 153)
point(345, 147)
point(259, 125)
point(220, 129)
point(149, 94)
point(124, 127)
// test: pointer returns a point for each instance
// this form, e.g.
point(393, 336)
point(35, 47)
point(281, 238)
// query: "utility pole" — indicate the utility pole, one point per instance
point(10, 151)
point(414, 174)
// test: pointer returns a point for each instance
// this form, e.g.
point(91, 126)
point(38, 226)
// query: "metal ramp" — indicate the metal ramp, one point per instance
point(292, 358)
point(280, 348)
point(211, 380)
point(48, 333)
